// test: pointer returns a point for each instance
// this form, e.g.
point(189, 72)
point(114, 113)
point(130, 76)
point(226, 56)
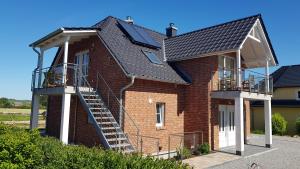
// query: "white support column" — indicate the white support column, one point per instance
point(268, 123)
point(34, 116)
point(239, 125)
point(40, 67)
point(65, 115)
point(238, 69)
point(267, 82)
point(65, 60)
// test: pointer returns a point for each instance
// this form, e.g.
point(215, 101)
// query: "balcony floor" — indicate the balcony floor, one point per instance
point(242, 94)
point(55, 90)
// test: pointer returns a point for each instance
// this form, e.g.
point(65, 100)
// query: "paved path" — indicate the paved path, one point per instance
point(210, 160)
point(285, 154)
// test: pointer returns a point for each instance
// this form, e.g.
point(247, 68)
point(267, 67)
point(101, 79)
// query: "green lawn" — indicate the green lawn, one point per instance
point(18, 111)
point(16, 117)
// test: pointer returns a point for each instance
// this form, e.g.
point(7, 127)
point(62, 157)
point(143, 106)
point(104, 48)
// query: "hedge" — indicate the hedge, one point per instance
point(22, 149)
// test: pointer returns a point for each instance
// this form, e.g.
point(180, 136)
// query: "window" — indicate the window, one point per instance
point(298, 95)
point(152, 57)
point(160, 113)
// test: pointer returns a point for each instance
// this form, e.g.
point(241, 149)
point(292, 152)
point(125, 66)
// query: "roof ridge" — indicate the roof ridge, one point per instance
point(118, 19)
point(217, 25)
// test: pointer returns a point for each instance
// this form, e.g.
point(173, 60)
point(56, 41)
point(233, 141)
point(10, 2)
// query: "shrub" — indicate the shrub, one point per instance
point(27, 149)
point(279, 124)
point(298, 125)
point(183, 153)
point(204, 148)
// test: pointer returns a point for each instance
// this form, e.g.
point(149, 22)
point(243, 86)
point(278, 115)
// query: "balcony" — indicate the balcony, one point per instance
point(54, 80)
point(226, 80)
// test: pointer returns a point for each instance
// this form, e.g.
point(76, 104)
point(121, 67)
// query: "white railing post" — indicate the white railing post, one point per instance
point(65, 60)
point(238, 69)
point(40, 68)
point(267, 82)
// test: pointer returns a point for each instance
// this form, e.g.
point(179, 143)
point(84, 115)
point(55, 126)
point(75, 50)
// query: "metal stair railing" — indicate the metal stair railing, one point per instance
point(119, 132)
point(130, 129)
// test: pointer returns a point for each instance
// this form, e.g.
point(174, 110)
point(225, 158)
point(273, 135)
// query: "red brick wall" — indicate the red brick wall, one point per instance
point(140, 103)
point(197, 100)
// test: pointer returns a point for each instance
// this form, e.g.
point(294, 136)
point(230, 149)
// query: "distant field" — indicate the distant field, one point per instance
point(16, 117)
point(17, 111)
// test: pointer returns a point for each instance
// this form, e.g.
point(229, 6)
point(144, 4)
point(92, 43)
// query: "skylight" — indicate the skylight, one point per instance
point(152, 57)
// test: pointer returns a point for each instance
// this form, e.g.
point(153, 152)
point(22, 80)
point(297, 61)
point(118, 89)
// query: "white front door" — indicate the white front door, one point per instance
point(226, 126)
point(82, 60)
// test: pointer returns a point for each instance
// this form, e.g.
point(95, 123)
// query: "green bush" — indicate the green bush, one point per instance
point(298, 125)
point(204, 148)
point(279, 124)
point(22, 149)
point(183, 153)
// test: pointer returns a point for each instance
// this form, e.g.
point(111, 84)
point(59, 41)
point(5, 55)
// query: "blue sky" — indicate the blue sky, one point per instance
point(23, 22)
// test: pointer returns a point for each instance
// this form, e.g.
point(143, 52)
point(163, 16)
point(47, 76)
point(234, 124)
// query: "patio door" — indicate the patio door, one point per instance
point(227, 74)
point(82, 61)
point(226, 126)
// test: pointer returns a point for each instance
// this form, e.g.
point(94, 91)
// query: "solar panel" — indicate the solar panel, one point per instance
point(139, 35)
point(152, 57)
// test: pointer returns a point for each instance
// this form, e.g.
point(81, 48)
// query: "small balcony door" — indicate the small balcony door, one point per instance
point(82, 59)
point(227, 73)
point(226, 126)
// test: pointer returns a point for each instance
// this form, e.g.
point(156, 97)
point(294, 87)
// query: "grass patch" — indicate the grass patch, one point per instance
point(258, 132)
point(17, 111)
point(16, 117)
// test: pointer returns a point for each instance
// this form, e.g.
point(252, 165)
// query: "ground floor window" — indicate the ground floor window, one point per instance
point(160, 113)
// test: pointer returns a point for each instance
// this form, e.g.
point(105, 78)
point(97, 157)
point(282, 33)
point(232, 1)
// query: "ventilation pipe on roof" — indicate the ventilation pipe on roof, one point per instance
point(171, 30)
point(121, 113)
point(129, 20)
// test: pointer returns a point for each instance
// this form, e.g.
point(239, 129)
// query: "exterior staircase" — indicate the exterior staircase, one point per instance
point(108, 129)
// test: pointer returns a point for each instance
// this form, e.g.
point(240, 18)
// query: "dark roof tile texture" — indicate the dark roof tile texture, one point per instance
point(130, 56)
point(227, 36)
point(287, 76)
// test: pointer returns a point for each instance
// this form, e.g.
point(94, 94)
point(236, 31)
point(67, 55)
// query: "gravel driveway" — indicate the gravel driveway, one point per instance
point(285, 154)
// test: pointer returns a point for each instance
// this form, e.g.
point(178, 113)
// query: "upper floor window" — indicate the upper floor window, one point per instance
point(160, 114)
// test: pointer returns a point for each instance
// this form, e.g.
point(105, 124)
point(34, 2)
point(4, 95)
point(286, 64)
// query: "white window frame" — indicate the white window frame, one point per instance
point(161, 113)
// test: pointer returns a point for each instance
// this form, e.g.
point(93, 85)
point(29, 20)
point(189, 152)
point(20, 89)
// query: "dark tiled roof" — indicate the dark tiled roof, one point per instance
point(222, 37)
point(278, 103)
point(130, 56)
point(287, 76)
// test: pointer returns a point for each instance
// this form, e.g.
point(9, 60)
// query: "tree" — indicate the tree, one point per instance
point(6, 103)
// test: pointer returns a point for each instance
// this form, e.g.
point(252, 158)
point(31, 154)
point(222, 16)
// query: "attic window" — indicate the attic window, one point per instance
point(152, 57)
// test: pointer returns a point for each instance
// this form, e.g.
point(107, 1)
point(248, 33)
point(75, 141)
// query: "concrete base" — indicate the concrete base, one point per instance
point(268, 145)
point(240, 153)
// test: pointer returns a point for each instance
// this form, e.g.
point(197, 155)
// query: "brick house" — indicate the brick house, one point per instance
point(115, 83)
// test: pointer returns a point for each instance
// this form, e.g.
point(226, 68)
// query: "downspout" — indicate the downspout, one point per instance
point(121, 115)
point(33, 85)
